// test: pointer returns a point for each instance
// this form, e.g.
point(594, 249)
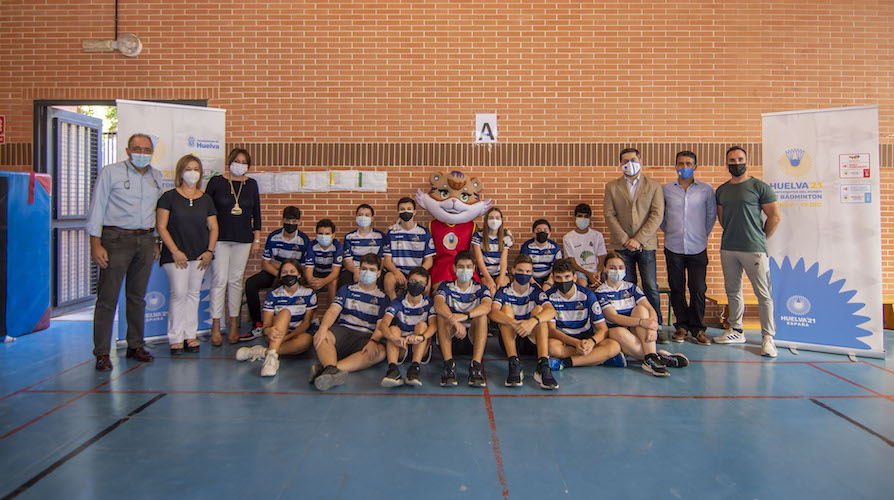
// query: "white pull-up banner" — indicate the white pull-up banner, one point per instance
point(826, 255)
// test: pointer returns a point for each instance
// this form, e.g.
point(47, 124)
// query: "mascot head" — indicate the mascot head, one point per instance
point(453, 199)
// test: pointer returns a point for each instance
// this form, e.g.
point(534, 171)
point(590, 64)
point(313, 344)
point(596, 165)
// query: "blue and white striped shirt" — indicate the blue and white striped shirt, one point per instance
point(578, 315)
point(543, 257)
point(622, 300)
point(279, 249)
point(357, 246)
point(360, 310)
point(407, 316)
point(522, 303)
point(298, 304)
point(322, 260)
point(408, 248)
point(462, 301)
point(492, 257)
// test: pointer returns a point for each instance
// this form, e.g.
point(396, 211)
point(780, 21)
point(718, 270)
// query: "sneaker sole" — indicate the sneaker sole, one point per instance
point(474, 384)
point(326, 381)
point(414, 383)
point(269, 374)
point(769, 354)
point(729, 341)
point(449, 383)
point(539, 380)
point(679, 341)
point(390, 382)
point(521, 379)
point(648, 369)
point(678, 357)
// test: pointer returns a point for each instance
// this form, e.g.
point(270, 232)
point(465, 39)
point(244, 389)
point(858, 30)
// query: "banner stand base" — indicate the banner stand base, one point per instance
point(831, 349)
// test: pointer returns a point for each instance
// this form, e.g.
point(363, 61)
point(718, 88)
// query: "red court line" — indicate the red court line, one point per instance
point(44, 380)
point(26, 424)
point(495, 441)
point(848, 381)
point(877, 366)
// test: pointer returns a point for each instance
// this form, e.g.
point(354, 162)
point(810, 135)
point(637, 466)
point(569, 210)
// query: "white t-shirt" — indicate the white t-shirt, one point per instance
point(585, 248)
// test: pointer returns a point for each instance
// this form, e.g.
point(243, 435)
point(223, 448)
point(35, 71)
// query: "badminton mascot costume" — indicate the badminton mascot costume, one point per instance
point(454, 203)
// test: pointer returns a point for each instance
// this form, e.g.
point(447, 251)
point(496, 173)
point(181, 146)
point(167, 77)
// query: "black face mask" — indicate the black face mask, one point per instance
point(736, 169)
point(290, 228)
point(406, 216)
point(564, 286)
point(541, 237)
point(289, 279)
point(415, 288)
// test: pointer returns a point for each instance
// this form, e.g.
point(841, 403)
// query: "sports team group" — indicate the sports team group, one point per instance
point(570, 305)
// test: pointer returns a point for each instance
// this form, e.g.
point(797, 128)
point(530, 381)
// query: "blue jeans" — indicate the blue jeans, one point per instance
point(644, 260)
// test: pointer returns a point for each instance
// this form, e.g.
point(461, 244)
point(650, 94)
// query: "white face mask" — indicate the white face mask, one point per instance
point(363, 221)
point(631, 168)
point(238, 169)
point(617, 275)
point(582, 223)
point(494, 224)
point(191, 177)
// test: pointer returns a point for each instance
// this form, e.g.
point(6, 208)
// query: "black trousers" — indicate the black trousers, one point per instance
point(254, 285)
point(680, 269)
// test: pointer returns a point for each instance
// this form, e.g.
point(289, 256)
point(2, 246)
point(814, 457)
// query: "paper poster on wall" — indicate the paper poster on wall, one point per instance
point(343, 180)
point(287, 182)
point(317, 182)
point(373, 181)
point(265, 181)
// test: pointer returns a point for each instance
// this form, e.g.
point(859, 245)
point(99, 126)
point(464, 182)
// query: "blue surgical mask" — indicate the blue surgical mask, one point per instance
point(140, 160)
point(616, 275)
point(685, 172)
point(324, 240)
point(522, 279)
point(582, 223)
point(464, 275)
point(368, 277)
point(363, 221)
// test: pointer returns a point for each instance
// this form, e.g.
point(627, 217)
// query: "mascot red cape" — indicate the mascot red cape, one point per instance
point(454, 202)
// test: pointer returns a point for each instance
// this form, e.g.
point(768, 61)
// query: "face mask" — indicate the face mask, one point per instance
point(522, 279)
point(631, 168)
point(363, 221)
point(290, 228)
point(415, 288)
point(289, 279)
point(324, 240)
point(191, 177)
point(565, 286)
point(685, 172)
point(368, 277)
point(140, 160)
point(616, 275)
point(406, 216)
point(736, 169)
point(464, 275)
point(238, 169)
point(541, 237)
point(494, 224)
point(582, 223)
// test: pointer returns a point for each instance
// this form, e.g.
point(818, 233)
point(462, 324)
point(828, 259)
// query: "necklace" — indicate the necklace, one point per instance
point(237, 210)
point(188, 196)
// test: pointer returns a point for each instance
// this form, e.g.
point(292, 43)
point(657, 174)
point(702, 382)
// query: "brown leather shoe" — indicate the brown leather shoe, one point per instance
point(139, 354)
point(103, 363)
point(701, 338)
point(679, 335)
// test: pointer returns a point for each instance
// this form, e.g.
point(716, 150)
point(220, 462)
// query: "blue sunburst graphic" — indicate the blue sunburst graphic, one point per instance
point(810, 308)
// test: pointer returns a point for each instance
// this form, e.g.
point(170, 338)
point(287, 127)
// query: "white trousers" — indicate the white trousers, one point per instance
point(183, 307)
point(227, 270)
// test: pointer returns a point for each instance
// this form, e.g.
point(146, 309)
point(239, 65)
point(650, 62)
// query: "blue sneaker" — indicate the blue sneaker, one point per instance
point(619, 361)
point(556, 364)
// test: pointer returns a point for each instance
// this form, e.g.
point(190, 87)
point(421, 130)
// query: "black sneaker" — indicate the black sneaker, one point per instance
point(392, 377)
point(515, 377)
point(675, 360)
point(544, 376)
point(330, 377)
point(476, 375)
point(448, 374)
point(655, 366)
point(413, 375)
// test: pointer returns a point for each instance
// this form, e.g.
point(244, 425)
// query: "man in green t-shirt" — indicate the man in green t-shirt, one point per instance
point(743, 246)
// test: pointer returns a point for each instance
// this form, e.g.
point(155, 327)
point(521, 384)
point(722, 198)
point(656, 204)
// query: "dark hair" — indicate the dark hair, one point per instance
point(690, 154)
point(563, 266)
point(541, 221)
point(139, 134)
point(614, 255)
point(523, 258)
point(419, 271)
point(297, 266)
point(364, 205)
point(291, 212)
point(463, 255)
point(371, 258)
point(326, 223)
point(583, 208)
point(407, 200)
point(629, 150)
point(736, 148)
point(236, 152)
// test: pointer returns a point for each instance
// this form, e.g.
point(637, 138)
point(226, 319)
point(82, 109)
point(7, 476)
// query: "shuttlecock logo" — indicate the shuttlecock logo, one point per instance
point(795, 162)
point(798, 305)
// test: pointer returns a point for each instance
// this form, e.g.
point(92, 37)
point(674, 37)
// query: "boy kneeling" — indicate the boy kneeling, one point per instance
point(409, 321)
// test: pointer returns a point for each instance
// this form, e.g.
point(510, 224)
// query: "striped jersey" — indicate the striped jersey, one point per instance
point(577, 315)
point(357, 246)
point(543, 257)
point(322, 260)
point(279, 249)
point(360, 310)
point(407, 316)
point(408, 248)
point(522, 303)
point(462, 301)
point(492, 257)
point(623, 300)
point(298, 304)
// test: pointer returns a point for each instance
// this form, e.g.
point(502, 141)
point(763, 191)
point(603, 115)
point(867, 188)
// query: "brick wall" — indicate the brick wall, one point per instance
point(396, 76)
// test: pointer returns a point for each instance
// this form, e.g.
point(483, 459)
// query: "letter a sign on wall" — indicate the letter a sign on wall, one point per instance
point(486, 127)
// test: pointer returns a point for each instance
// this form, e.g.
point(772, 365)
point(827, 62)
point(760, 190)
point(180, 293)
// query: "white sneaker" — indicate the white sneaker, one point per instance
point(730, 336)
point(768, 347)
point(271, 365)
point(252, 353)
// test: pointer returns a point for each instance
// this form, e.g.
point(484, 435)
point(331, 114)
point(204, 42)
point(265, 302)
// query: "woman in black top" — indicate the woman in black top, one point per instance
point(239, 217)
point(186, 221)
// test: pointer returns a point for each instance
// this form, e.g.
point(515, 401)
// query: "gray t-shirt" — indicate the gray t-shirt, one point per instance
point(743, 229)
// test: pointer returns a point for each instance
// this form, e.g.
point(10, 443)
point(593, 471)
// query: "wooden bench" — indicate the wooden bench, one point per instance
point(721, 300)
point(888, 308)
